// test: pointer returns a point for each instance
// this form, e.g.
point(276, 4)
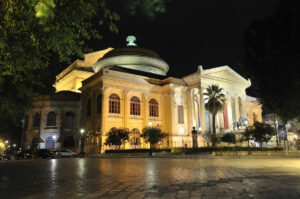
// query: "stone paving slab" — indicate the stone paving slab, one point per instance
point(151, 178)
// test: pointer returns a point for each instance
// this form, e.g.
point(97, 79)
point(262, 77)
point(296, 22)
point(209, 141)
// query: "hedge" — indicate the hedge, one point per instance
point(224, 148)
point(197, 150)
point(137, 150)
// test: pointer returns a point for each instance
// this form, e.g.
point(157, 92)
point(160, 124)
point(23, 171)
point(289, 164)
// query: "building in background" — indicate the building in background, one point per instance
point(128, 88)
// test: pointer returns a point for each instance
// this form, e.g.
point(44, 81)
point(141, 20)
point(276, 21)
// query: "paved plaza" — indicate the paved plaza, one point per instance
point(192, 177)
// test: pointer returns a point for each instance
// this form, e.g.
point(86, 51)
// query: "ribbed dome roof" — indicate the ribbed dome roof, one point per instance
point(134, 58)
point(132, 50)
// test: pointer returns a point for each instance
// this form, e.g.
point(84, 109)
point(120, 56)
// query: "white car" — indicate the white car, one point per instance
point(65, 153)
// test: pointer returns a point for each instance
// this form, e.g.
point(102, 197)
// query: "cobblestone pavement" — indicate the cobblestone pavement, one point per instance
point(192, 177)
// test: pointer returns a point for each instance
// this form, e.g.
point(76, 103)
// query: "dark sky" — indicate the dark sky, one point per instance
point(193, 32)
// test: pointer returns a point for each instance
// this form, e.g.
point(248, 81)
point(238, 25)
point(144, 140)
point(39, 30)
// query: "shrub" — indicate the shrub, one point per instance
point(153, 134)
point(230, 138)
point(117, 136)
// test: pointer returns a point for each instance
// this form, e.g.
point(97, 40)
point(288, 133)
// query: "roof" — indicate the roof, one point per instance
point(62, 95)
point(132, 50)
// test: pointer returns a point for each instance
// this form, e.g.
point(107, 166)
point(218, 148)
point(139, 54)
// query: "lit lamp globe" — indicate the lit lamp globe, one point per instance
point(82, 131)
point(181, 130)
point(6, 141)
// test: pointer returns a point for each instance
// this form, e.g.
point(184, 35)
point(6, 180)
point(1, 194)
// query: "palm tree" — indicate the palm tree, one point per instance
point(215, 100)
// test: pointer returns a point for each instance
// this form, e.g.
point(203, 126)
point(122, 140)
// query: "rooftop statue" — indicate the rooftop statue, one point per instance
point(131, 39)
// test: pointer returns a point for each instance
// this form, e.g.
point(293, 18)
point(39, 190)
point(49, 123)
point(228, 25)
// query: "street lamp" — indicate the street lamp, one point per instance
point(6, 141)
point(276, 127)
point(82, 131)
point(14, 145)
point(82, 141)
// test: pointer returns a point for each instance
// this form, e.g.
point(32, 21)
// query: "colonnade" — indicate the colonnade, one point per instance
point(235, 106)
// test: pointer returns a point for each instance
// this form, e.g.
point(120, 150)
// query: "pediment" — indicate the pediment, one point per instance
point(225, 73)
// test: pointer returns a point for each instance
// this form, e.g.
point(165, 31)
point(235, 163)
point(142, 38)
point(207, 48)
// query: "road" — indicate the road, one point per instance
point(193, 177)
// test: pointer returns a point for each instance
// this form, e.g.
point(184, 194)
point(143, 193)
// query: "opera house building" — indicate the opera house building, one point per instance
point(129, 88)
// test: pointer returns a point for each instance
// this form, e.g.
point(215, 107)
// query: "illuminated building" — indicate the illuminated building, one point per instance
point(128, 88)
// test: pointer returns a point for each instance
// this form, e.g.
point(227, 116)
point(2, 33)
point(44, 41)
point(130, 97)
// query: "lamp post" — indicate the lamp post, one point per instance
point(82, 141)
point(276, 127)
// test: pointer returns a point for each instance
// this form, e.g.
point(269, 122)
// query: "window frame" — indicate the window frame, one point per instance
point(51, 119)
point(180, 114)
point(70, 119)
point(153, 108)
point(114, 104)
point(135, 106)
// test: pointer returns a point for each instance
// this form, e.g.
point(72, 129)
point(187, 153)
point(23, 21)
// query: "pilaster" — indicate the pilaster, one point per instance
point(202, 111)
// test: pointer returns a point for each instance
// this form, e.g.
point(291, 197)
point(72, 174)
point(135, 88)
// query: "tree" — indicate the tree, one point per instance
point(247, 136)
point(117, 136)
point(215, 100)
point(153, 134)
point(230, 138)
point(272, 58)
point(148, 8)
point(39, 37)
point(35, 34)
point(261, 133)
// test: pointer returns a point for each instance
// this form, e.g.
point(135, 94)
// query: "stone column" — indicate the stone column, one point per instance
point(104, 110)
point(144, 109)
point(237, 108)
point(202, 111)
point(189, 109)
point(244, 111)
point(126, 112)
point(229, 112)
point(193, 107)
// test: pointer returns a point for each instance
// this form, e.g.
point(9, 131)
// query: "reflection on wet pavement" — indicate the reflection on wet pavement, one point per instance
point(151, 178)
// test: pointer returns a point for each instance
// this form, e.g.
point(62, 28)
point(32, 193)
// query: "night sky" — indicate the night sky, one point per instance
point(192, 32)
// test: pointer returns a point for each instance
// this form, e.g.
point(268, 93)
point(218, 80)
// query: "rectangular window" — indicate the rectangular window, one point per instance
point(180, 114)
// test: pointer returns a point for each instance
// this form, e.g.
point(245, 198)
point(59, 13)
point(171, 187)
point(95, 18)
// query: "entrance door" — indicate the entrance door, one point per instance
point(50, 143)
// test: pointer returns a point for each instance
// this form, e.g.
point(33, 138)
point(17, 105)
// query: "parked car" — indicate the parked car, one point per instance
point(65, 153)
point(45, 153)
point(6, 157)
point(26, 154)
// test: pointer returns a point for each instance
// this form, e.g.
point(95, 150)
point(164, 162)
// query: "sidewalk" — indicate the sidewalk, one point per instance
point(240, 154)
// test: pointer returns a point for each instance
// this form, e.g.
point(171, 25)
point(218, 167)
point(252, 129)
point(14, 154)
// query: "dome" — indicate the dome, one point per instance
point(135, 58)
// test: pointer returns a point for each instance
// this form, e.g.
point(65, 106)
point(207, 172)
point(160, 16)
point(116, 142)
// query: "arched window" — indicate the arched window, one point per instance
point(99, 104)
point(69, 119)
point(89, 108)
point(153, 108)
point(51, 119)
point(114, 104)
point(135, 137)
point(135, 106)
point(36, 120)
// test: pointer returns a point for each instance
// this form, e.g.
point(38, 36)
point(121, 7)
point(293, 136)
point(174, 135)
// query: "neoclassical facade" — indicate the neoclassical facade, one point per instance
point(55, 120)
point(129, 88)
